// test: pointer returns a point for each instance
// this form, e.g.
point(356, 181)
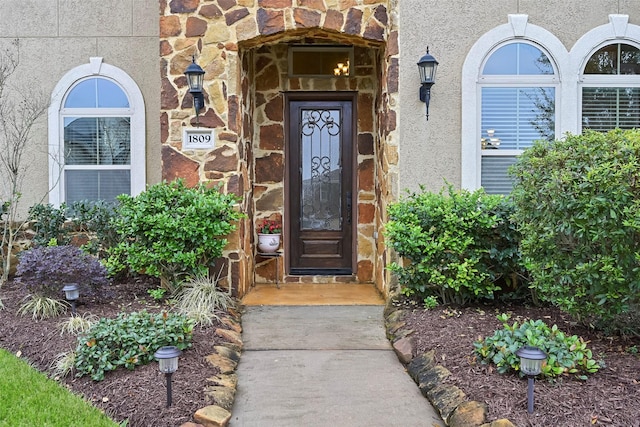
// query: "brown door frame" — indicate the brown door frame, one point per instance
point(323, 96)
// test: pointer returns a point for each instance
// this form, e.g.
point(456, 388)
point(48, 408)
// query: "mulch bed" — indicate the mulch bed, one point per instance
point(138, 396)
point(611, 397)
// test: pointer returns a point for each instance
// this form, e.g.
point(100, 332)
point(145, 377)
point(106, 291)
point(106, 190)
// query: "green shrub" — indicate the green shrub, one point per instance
point(129, 341)
point(565, 354)
point(171, 231)
point(49, 224)
point(578, 201)
point(456, 245)
point(96, 218)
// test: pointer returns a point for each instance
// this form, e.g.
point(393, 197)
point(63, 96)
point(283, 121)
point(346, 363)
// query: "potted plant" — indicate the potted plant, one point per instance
point(269, 232)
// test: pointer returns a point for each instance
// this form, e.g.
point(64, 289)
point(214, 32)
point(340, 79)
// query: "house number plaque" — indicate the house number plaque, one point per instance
point(197, 139)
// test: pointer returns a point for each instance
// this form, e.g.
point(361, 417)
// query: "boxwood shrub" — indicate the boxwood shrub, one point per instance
point(460, 246)
point(578, 203)
point(172, 231)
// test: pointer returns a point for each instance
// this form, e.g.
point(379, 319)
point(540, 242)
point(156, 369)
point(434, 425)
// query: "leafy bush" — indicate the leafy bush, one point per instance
point(44, 270)
point(565, 354)
point(456, 245)
point(129, 340)
point(93, 217)
point(96, 217)
point(578, 201)
point(49, 224)
point(171, 231)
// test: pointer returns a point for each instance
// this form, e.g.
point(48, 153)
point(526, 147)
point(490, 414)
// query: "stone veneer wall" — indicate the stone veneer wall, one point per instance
point(233, 40)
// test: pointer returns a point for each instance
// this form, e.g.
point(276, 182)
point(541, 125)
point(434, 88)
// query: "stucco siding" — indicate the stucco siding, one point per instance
point(57, 36)
point(430, 150)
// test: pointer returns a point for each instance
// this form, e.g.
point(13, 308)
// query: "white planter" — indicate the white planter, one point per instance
point(268, 243)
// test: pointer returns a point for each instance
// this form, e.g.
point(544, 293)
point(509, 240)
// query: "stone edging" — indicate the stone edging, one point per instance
point(450, 402)
point(223, 386)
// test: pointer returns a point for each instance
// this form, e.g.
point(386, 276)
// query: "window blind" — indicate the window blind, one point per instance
point(494, 174)
point(518, 115)
point(607, 108)
point(97, 140)
point(96, 184)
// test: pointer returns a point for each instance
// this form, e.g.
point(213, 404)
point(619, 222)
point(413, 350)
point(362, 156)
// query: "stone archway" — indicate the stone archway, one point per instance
point(239, 42)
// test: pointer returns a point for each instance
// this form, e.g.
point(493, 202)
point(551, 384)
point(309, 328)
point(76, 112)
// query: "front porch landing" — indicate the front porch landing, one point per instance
point(313, 294)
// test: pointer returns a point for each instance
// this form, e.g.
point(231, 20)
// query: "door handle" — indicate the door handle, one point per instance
point(348, 207)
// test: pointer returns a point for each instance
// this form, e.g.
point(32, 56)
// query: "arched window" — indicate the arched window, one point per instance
point(97, 135)
point(511, 87)
point(517, 106)
point(611, 88)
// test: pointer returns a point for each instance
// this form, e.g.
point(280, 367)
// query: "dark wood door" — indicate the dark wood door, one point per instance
point(321, 176)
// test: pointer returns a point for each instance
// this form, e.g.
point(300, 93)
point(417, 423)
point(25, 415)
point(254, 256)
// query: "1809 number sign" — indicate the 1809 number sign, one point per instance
point(197, 139)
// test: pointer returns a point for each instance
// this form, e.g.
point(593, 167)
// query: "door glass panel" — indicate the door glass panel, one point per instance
point(321, 201)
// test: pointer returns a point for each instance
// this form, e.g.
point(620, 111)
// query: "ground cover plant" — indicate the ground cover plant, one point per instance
point(128, 341)
point(566, 354)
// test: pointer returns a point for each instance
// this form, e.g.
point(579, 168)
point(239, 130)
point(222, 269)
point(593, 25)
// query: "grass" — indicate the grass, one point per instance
point(31, 399)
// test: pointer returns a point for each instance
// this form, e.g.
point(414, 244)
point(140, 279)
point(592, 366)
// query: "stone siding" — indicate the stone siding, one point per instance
point(242, 46)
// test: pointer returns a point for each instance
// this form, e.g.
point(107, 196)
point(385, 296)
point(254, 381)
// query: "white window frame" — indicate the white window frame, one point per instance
point(516, 30)
point(606, 80)
point(617, 30)
point(513, 81)
point(56, 114)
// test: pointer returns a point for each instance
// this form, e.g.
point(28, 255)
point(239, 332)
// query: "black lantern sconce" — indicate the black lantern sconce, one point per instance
point(195, 77)
point(71, 294)
point(531, 359)
point(427, 67)
point(167, 358)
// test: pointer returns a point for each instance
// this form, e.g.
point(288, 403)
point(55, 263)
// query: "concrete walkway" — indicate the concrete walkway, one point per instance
point(323, 366)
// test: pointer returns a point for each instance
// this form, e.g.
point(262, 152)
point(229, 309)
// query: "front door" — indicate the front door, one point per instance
point(321, 176)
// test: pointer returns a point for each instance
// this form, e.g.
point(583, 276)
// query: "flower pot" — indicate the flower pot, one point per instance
point(268, 243)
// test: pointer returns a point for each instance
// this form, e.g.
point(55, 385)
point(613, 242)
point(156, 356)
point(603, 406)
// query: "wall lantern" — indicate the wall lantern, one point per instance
point(531, 359)
point(167, 358)
point(71, 294)
point(195, 77)
point(427, 67)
